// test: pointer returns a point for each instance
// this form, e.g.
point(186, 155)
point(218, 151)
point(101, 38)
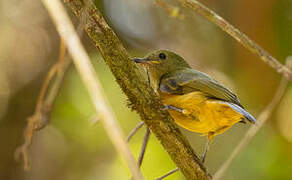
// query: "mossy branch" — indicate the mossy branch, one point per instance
point(141, 97)
point(239, 36)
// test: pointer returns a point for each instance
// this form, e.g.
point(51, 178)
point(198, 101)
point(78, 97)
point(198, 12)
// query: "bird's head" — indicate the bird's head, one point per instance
point(161, 62)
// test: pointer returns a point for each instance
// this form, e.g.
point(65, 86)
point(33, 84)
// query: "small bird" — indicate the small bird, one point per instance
point(195, 100)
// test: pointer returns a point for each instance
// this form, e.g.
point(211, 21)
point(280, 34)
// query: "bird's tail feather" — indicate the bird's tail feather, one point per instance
point(242, 111)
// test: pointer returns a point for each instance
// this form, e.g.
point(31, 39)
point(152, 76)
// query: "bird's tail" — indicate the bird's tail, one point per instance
point(242, 111)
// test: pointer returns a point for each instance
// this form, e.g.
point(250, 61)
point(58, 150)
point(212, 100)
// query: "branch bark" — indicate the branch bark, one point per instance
point(141, 97)
point(239, 36)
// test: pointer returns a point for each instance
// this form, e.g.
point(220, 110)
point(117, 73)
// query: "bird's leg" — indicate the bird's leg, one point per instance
point(203, 158)
point(167, 174)
point(210, 138)
point(143, 147)
point(167, 107)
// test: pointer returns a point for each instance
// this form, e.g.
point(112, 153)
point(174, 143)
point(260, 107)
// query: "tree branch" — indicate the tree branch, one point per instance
point(262, 118)
point(141, 97)
point(239, 36)
point(82, 62)
point(45, 103)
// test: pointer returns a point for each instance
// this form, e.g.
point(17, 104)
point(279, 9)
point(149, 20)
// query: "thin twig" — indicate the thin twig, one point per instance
point(87, 73)
point(48, 93)
point(44, 105)
point(262, 118)
point(239, 36)
point(133, 132)
point(167, 174)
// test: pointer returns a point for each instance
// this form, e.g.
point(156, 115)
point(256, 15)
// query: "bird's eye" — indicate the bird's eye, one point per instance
point(162, 56)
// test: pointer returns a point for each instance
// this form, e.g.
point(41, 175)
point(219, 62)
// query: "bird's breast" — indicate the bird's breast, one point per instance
point(201, 114)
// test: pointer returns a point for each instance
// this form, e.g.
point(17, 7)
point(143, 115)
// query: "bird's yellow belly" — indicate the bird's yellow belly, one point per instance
point(201, 115)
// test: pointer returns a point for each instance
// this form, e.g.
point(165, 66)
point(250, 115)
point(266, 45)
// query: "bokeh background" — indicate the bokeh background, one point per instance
point(72, 148)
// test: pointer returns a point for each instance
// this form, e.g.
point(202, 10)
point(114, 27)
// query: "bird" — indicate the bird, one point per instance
point(195, 100)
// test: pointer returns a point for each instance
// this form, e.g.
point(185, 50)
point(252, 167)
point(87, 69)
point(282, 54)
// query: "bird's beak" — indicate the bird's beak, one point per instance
point(145, 61)
point(141, 60)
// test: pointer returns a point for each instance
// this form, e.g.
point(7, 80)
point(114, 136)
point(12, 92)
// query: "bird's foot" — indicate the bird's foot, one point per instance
point(183, 111)
point(170, 107)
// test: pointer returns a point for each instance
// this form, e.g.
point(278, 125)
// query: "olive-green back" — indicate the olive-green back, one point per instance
point(188, 80)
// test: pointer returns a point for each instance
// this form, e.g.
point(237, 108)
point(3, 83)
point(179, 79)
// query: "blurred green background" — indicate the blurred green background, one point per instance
point(72, 148)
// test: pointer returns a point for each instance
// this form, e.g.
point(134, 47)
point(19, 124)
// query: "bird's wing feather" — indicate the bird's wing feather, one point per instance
point(189, 80)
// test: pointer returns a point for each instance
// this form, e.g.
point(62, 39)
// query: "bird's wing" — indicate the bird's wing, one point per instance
point(189, 80)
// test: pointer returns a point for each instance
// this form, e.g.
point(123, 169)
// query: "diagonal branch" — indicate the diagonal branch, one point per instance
point(239, 36)
point(142, 98)
point(82, 62)
point(262, 118)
